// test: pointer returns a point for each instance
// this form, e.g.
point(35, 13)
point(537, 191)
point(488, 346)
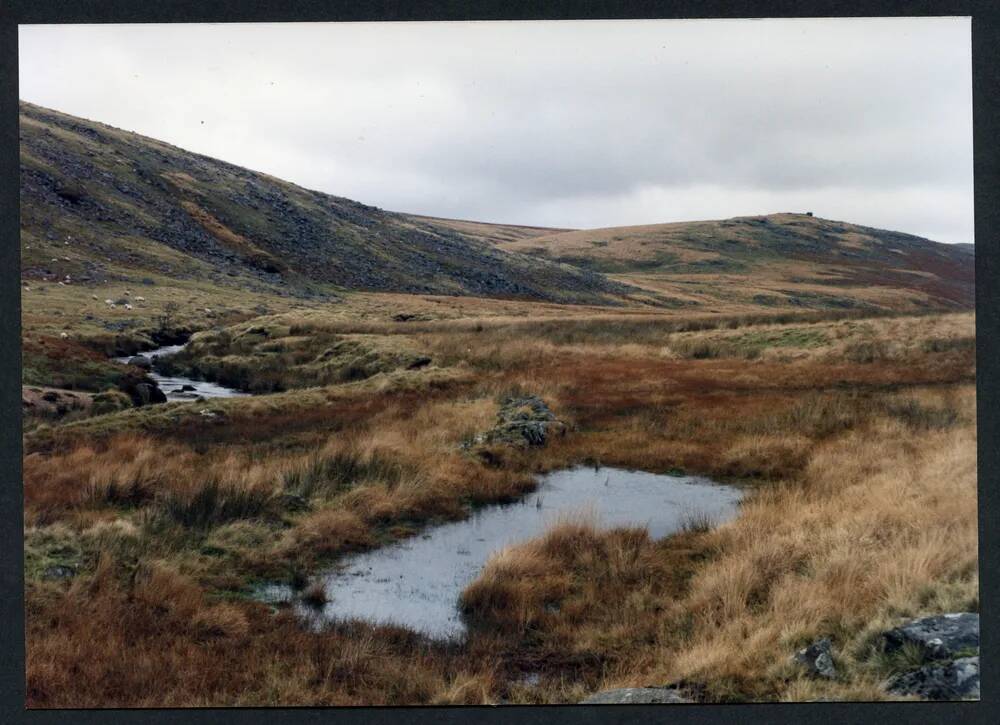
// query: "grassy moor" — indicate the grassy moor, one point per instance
point(390, 364)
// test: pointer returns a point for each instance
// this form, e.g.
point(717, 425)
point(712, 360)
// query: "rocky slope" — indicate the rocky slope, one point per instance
point(129, 205)
point(102, 205)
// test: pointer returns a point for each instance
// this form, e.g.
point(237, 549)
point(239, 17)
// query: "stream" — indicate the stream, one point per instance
point(179, 387)
point(416, 582)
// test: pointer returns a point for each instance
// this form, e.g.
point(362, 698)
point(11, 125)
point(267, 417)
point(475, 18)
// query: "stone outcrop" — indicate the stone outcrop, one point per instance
point(522, 421)
point(938, 637)
point(948, 680)
point(948, 645)
point(817, 658)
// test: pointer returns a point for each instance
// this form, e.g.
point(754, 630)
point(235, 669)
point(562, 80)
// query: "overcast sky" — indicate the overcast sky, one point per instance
point(575, 124)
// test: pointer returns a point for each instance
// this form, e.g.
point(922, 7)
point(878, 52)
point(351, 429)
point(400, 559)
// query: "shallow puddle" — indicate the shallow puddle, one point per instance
point(416, 582)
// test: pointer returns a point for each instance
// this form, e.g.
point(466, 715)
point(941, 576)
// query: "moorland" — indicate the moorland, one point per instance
point(826, 368)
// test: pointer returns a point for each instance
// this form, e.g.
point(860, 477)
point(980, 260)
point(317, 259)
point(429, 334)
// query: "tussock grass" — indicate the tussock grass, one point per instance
point(212, 503)
point(328, 475)
point(315, 595)
point(328, 531)
point(881, 524)
point(862, 511)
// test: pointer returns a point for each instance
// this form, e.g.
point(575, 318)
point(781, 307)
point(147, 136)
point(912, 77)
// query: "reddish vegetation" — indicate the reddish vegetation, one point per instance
point(168, 526)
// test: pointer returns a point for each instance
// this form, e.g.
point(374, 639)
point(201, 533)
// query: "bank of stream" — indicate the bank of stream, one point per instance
point(178, 387)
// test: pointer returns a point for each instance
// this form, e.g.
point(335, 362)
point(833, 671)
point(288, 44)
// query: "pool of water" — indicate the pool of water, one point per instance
point(416, 582)
point(178, 387)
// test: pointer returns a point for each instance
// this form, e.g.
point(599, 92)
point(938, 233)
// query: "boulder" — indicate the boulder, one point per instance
point(817, 658)
point(147, 394)
point(522, 421)
point(637, 696)
point(294, 502)
point(956, 680)
point(942, 636)
point(58, 571)
point(188, 388)
point(140, 362)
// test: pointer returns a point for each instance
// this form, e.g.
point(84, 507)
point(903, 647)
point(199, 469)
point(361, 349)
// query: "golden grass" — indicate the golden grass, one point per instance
point(862, 511)
point(880, 524)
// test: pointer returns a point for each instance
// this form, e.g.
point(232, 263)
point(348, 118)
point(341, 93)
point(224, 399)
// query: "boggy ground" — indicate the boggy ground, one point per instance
point(855, 436)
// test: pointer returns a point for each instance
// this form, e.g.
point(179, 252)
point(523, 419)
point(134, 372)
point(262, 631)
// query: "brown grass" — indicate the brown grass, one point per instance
point(232, 240)
point(862, 511)
point(879, 524)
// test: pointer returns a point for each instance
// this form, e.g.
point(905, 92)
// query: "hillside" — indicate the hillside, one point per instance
point(777, 260)
point(487, 231)
point(102, 204)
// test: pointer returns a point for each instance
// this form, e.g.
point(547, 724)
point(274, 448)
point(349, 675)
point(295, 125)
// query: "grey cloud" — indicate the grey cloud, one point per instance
point(566, 124)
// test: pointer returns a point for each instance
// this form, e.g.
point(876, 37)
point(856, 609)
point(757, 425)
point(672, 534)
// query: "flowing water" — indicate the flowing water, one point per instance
point(416, 582)
point(178, 387)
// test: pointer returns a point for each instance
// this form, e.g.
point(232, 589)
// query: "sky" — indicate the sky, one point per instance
point(568, 124)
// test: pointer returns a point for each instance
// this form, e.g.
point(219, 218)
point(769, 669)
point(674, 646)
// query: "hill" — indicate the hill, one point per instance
point(775, 260)
point(101, 206)
point(489, 231)
point(128, 205)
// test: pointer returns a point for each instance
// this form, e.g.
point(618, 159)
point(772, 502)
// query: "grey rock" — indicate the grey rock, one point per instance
point(58, 571)
point(418, 362)
point(148, 393)
point(637, 696)
point(957, 680)
point(817, 658)
point(522, 421)
point(215, 417)
point(140, 362)
point(294, 502)
point(939, 637)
